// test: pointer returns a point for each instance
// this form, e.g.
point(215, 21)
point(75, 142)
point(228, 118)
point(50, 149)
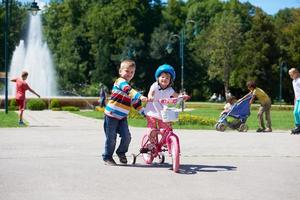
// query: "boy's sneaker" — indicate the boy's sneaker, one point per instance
point(122, 159)
point(260, 130)
point(110, 162)
point(268, 130)
point(21, 123)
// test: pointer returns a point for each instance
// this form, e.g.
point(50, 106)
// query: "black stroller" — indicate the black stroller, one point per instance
point(240, 111)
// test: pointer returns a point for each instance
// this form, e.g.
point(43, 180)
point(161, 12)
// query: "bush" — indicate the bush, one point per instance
point(13, 105)
point(184, 119)
point(134, 114)
point(70, 108)
point(98, 108)
point(36, 104)
point(54, 104)
point(189, 119)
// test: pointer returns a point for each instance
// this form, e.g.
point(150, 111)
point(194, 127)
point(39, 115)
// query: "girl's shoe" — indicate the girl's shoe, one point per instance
point(296, 130)
point(21, 123)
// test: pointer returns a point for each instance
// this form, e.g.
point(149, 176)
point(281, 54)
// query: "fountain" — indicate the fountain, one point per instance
point(34, 56)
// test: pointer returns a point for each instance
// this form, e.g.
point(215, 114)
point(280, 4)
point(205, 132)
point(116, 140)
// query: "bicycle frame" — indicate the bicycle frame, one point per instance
point(167, 133)
point(153, 146)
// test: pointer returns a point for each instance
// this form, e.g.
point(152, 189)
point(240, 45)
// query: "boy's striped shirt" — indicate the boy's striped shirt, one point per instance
point(123, 96)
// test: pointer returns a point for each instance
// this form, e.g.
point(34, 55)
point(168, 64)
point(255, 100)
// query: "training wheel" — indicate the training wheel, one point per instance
point(133, 159)
point(161, 158)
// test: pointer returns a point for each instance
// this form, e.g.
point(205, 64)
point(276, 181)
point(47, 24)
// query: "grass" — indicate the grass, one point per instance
point(9, 120)
point(282, 117)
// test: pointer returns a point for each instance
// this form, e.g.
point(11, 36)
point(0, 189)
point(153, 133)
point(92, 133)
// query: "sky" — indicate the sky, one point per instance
point(269, 6)
point(273, 6)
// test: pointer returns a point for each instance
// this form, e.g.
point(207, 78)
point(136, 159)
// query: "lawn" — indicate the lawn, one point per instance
point(282, 117)
point(9, 120)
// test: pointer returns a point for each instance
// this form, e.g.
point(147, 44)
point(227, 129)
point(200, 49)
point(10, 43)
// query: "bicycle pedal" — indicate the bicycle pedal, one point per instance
point(144, 150)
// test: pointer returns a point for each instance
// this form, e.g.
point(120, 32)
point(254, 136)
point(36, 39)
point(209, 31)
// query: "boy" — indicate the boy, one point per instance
point(265, 106)
point(21, 87)
point(295, 75)
point(116, 111)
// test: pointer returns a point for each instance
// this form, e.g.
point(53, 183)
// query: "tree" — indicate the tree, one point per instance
point(17, 21)
point(223, 40)
point(258, 54)
point(287, 30)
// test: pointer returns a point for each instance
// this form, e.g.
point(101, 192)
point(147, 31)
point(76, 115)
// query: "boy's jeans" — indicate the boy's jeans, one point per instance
point(112, 127)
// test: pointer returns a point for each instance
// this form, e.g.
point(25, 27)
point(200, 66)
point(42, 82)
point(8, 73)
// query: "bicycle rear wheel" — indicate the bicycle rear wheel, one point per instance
point(147, 157)
point(174, 151)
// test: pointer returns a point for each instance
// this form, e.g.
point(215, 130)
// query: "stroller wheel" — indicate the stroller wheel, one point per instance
point(221, 127)
point(216, 126)
point(243, 128)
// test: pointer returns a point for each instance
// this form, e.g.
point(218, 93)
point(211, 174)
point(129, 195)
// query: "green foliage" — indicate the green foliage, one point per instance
point(258, 54)
point(224, 39)
point(13, 104)
point(229, 43)
point(36, 104)
point(90, 90)
point(54, 104)
point(188, 119)
point(184, 119)
point(70, 108)
point(17, 23)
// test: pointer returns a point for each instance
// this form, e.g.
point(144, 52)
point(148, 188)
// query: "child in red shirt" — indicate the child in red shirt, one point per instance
point(21, 87)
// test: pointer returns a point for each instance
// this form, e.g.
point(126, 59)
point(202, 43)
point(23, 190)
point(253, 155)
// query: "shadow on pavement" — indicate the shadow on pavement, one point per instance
point(186, 169)
point(153, 165)
point(194, 169)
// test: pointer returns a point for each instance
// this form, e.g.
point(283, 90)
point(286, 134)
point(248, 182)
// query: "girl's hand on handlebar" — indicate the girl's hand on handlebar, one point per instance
point(184, 96)
point(150, 99)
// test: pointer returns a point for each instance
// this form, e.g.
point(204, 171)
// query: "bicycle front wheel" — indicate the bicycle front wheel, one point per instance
point(174, 151)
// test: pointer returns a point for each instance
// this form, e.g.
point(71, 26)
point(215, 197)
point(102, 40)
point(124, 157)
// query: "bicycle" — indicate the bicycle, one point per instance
point(164, 139)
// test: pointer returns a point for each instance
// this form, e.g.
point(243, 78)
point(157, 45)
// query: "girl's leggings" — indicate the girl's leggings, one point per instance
point(297, 113)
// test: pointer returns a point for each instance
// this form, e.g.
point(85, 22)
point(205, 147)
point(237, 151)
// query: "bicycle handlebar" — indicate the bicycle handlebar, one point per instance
point(173, 100)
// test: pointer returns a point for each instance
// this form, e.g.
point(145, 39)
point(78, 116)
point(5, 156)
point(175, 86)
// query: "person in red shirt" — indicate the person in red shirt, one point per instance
point(21, 87)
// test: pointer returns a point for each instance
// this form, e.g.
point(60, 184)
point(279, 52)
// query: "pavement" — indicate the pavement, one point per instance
point(58, 157)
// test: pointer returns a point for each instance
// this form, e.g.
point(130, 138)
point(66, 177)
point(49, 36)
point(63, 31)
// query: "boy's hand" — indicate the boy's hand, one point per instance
point(143, 99)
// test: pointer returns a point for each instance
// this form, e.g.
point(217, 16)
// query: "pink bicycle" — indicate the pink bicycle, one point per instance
point(164, 140)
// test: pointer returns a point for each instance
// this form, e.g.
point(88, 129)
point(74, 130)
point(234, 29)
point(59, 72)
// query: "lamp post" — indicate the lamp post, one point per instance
point(34, 8)
point(169, 49)
point(281, 69)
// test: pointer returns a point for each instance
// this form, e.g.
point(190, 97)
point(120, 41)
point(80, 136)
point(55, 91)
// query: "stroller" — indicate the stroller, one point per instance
point(240, 111)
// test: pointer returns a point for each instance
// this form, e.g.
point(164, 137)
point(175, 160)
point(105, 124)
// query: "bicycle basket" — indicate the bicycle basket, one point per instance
point(169, 115)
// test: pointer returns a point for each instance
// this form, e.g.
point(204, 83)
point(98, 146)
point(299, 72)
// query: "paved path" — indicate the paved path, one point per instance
point(58, 158)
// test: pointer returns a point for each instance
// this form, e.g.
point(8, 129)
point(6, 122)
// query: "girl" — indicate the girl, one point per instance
point(162, 88)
